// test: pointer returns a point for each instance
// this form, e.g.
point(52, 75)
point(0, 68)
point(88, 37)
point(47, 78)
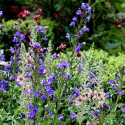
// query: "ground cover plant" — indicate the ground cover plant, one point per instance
point(81, 88)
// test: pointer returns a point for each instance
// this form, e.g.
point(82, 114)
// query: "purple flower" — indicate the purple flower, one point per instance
point(1, 13)
point(22, 36)
point(37, 94)
point(88, 19)
point(120, 92)
point(22, 116)
point(50, 113)
point(45, 39)
point(123, 110)
point(89, 86)
point(12, 50)
point(83, 6)
point(111, 81)
point(54, 56)
point(72, 23)
point(31, 115)
point(43, 98)
point(42, 68)
point(64, 64)
point(32, 91)
point(76, 92)
point(60, 116)
point(78, 48)
point(78, 12)
point(70, 97)
point(80, 69)
point(50, 92)
point(74, 18)
point(86, 29)
point(2, 26)
point(114, 86)
point(95, 112)
point(17, 34)
point(89, 11)
point(93, 80)
point(85, 56)
point(15, 40)
point(107, 95)
point(72, 116)
point(30, 107)
point(84, 43)
point(67, 35)
point(80, 32)
point(36, 46)
point(91, 74)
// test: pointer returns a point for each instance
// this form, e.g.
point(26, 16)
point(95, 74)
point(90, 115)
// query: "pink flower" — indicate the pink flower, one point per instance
point(94, 96)
point(83, 96)
point(78, 101)
point(100, 103)
point(20, 79)
point(46, 27)
point(28, 60)
point(89, 91)
point(39, 11)
point(88, 123)
point(100, 95)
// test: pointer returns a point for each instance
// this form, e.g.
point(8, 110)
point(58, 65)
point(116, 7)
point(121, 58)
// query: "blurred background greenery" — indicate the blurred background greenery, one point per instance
point(107, 23)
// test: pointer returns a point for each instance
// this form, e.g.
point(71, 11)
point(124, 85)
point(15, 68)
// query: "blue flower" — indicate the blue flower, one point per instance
point(60, 116)
point(72, 116)
point(72, 23)
point(50, 113)
point(22, 116)
point(95, 112)
point(80, 69)
point(22, 36)
point(42, 68)
point(74, 18)
point(78, 12)
point(91, 74)
point(67, 35)
point(37, 94)
point(78, 48)
point(80, 32)
point(76, 92)
point(43, 98)
point(107, 95)
point(1, 13)
point(64, 64)
point(50, 92)
point(89, 11)
point(86, 29)
point(31, 115)
point(32, 91)
point(54, 56)
point(120, 92)
point(45, 39)
point(36, 46)
point(88, 19)
point(2, 26)
point(30, 107)
point(83, 6)
point(111, 81)
point(93, 80)
point(89, 86)
point(15, 40)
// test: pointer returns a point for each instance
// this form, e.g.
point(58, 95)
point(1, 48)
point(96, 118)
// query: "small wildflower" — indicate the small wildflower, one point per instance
point(72, 116)
point(43, 98)
point(120, 92)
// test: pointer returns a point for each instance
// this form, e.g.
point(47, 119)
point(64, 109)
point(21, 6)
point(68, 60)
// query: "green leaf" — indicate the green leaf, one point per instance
point(46, 123)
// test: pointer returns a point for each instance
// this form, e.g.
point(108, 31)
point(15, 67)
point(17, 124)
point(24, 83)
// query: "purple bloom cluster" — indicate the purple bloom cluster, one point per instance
point(4, 85)
point(93, 80)
point(76, 92)
point(92, 74)
point(34, 111)
point(36, 46)
point(63, 64)
point(95, 112)
point(41, 69)
point(78, 48)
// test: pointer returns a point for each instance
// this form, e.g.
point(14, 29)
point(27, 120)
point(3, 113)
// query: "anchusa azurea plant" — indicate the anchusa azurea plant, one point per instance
point(60, 88)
